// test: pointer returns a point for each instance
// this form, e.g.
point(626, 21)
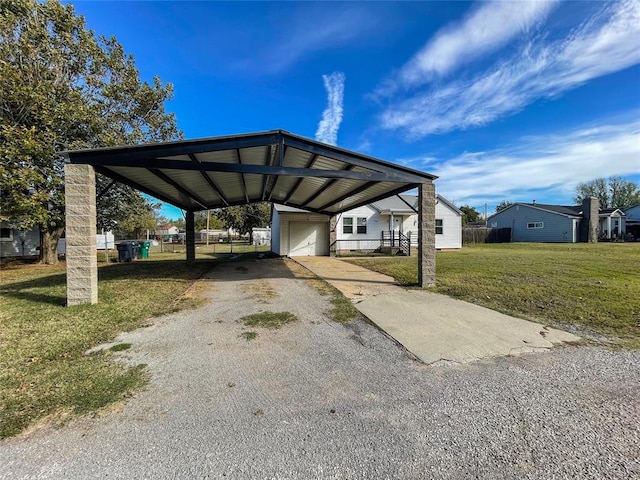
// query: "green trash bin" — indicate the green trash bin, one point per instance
point(143, 249)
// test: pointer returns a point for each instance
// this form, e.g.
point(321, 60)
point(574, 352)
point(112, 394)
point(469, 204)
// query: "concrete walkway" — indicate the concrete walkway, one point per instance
point(431, 326)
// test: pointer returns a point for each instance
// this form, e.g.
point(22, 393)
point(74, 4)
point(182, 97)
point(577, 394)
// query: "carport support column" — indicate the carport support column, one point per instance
point(426, 235)
point(333, 235)
point(190, 222)
point(81, 254)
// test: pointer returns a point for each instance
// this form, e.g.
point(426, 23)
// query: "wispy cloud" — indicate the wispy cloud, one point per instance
point(316, 28)
point(486, 29)
point(550, 165)
point(607, 42)
point(332, 116)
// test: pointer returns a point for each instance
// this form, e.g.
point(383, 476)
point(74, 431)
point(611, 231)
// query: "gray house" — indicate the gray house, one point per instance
point(535, 222)
point(632, 220)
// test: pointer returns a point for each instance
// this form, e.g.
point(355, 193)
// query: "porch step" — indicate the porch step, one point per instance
point(391, 250)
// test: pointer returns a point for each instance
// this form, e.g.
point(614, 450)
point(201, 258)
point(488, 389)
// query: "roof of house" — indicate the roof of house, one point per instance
point(572, 210)
point(401, 204)
point(406, 204)
point(567, 210)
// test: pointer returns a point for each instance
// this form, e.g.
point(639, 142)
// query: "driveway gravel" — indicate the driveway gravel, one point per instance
point(317, 399)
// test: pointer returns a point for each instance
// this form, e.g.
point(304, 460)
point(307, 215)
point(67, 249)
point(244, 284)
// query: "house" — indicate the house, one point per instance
point(536, 222)
point(632, 221)
point(398, 214)
point(18, 243)
point(296, 232)
point(166, 230)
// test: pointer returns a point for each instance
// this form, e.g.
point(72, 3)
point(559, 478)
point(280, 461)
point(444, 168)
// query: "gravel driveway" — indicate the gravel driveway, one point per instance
point(317, 399)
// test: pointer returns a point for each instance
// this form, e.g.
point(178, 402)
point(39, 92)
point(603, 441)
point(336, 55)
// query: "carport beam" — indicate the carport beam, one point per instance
point(427, 235)
point(190, 224)
point(80, 214)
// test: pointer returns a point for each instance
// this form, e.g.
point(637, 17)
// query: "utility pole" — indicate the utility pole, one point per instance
point(208, 212)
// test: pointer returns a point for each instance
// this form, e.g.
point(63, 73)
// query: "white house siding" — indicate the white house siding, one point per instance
point(451, 236)
point(557, 228)
point(14, 247)
point(280, 225)
point(376, 224)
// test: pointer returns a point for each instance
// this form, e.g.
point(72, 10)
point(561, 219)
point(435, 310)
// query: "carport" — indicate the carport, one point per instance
point(195, 175)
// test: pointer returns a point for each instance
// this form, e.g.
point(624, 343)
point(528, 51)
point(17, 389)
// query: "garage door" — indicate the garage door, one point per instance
point(308, 239)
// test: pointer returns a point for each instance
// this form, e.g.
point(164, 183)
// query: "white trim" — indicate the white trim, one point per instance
point(534, 225)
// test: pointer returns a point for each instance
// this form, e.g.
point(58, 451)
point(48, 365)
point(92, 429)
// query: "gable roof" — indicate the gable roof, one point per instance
point(274, 166)
point(407, 204)
point(571, 210)
point(564, 210)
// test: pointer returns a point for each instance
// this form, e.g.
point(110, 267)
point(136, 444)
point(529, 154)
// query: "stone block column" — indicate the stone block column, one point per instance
point(80, 213)
point(190, 240)
point(427, 235)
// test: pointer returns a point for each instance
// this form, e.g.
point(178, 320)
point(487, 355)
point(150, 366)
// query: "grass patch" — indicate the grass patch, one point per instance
point(343, 310)
point(273, 320)
point(43, 369)
point(592, 286)
point(118, 347)
point(248, 336)
point(259, 290)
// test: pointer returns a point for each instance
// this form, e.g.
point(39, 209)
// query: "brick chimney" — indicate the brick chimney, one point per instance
point(590, 215)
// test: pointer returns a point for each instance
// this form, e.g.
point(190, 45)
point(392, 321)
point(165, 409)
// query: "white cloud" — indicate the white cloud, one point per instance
point(488, 28)
point(313, 29)
point(605, 43)
point(332, 116)
point(547, 166)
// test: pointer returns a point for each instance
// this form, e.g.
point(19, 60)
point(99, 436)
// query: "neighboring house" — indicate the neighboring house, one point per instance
point(632, 221)
point(535, 222)
point(296, 232)
point(16, 243)
point(164, 230)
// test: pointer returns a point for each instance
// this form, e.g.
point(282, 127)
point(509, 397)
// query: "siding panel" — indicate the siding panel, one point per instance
point(557, 228)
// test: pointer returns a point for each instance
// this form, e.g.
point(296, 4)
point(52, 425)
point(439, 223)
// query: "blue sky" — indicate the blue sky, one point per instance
point(503, 100)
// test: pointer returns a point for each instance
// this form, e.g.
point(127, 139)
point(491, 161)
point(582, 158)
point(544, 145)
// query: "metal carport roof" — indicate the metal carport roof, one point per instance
point(274, 166)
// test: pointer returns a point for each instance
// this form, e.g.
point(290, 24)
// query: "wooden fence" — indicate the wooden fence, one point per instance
point(471, 235)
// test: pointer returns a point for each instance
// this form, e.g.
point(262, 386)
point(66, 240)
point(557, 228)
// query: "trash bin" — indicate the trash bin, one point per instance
point(143, 249)
point(127, 251)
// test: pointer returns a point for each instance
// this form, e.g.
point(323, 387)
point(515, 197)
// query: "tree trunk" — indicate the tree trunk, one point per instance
point(49, 245)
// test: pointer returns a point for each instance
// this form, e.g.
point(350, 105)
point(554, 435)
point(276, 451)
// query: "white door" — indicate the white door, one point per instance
point(308, 239)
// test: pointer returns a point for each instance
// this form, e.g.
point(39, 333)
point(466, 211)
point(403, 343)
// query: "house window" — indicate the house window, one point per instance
point(535, 225)
point(6, 235)
point(347, 225)
point(362, 225)
point(439, 226)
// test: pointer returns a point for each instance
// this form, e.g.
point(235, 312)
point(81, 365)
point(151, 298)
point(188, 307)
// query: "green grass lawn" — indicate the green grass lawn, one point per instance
point(44, 372)
point(596, 287)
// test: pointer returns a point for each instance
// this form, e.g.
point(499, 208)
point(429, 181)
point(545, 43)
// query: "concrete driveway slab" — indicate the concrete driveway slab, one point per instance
point(431, 326)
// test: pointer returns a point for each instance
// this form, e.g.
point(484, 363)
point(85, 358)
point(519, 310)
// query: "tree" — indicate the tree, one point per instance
point(502, 205)
point(63, 88)
point(469, 215)
point(613, 192)
point(245, 218)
